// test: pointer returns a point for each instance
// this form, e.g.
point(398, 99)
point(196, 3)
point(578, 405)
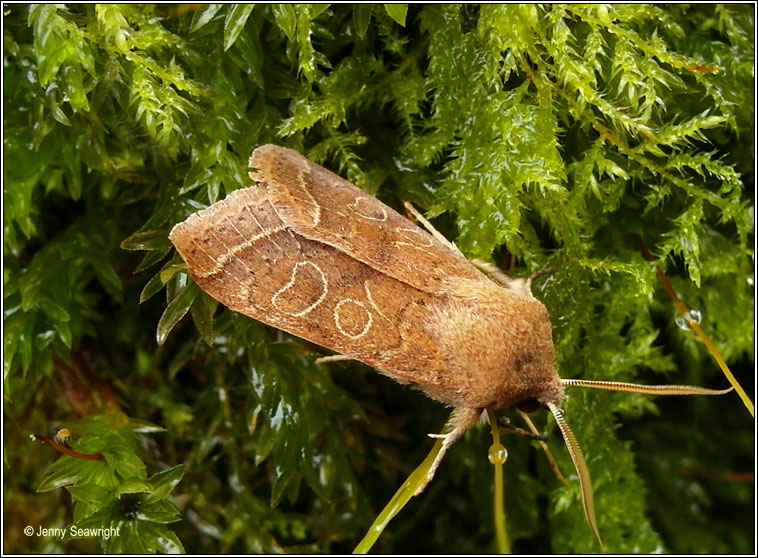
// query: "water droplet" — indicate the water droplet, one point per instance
point(497, 454)
point(694, 315)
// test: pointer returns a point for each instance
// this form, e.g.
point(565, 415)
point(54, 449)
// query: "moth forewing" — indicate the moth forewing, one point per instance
point(308, 252)
point(242, 253)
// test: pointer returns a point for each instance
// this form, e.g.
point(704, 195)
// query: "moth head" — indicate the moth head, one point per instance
point(575, 451)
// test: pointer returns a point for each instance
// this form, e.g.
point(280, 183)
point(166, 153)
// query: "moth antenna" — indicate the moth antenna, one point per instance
point(588, 501)
point(641, 388)
point(428, 226)
point(545, 448)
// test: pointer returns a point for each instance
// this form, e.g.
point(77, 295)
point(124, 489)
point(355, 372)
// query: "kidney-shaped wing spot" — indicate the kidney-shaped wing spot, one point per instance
point(306, 289)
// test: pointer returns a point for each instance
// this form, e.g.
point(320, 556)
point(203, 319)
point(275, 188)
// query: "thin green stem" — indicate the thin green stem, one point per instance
point(406, 491)
point(722, 364)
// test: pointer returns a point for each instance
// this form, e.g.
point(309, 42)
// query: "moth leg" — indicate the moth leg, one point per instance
point(495, 272)
point(537, 274)
point(507, 428)
point(545, 448)
point(333, 358)
point(519, 286)
point(462, 420)
point(428, 226)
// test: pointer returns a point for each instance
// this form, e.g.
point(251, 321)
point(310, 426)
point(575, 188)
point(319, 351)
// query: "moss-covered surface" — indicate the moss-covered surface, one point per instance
point(553, 134)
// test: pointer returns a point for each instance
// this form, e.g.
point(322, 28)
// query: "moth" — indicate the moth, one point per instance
point(308, 252)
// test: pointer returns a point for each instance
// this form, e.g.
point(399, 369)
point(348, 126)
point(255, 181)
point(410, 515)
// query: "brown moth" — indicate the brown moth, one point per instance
point(308, 252)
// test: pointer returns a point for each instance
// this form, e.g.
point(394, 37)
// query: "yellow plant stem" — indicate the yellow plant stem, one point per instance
point(724, 368)
point(497, 455)
point(685, 310)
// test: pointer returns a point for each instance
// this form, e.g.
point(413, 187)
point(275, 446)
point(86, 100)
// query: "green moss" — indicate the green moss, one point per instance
point(554, 134)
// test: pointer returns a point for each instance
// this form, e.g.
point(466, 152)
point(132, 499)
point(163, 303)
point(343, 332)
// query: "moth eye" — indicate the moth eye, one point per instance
point(529, 405)
point(523, 359)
